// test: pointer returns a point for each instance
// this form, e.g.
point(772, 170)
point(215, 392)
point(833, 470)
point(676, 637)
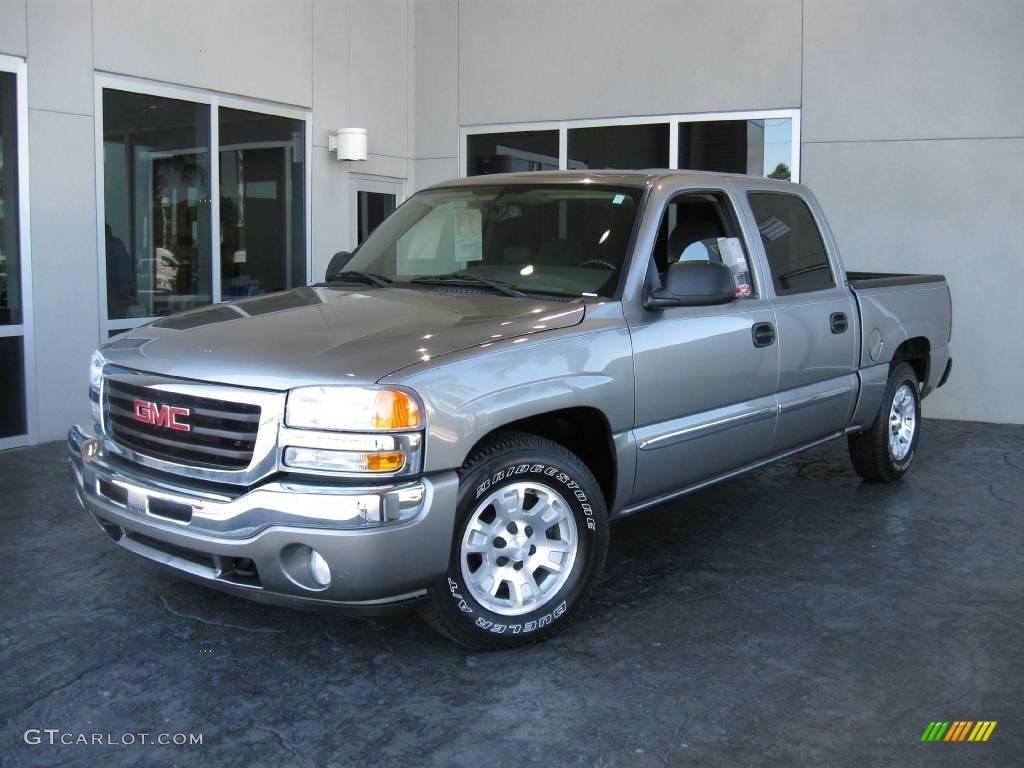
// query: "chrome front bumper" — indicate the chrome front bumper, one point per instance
point(247, 543)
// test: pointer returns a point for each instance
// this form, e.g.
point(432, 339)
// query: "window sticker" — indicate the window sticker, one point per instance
point(732, 252)
point(469, 235)
point(733, 257)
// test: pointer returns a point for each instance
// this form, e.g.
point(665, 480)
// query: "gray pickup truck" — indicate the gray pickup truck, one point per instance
point(454, 416)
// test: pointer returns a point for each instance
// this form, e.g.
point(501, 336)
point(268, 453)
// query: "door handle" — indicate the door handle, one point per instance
point(763, 334)
point(837, 321)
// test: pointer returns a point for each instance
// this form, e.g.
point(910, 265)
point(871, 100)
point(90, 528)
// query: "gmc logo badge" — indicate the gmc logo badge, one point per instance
point(161, 415)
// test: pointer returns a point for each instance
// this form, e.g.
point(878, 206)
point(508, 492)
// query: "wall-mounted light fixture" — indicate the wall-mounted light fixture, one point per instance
point(348, 143)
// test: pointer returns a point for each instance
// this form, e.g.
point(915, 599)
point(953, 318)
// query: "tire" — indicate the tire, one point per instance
point(884, 452)
point(500, 591)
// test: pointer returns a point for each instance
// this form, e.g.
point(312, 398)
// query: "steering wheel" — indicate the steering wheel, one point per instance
point(591, 263)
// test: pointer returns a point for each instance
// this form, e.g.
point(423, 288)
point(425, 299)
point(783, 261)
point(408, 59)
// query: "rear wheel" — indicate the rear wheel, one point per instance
point(530, 539)
point(883, 453)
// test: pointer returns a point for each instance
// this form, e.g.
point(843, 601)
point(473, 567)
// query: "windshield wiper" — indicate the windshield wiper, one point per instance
point(367, 277)
point(464, 278)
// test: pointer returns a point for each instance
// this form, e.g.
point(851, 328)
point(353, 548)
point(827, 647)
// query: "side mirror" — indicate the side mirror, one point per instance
point(338, 262)
point(694, 284)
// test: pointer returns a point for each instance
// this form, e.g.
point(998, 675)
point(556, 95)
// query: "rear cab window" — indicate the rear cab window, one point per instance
point(792, 242)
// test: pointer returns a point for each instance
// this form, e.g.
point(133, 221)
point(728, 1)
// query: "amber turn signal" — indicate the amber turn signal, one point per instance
point(394, 410)
point(385, 462)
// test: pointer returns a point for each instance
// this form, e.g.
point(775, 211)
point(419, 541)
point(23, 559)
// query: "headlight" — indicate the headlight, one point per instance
point(96, 363)
point(351, 408)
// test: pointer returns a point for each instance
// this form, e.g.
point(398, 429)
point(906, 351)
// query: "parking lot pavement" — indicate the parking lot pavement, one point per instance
point(792, 616)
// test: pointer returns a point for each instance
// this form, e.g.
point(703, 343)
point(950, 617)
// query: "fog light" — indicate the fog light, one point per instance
point(319, 568)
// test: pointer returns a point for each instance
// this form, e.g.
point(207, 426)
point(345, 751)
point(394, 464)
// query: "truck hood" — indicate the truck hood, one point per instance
point(324, 335)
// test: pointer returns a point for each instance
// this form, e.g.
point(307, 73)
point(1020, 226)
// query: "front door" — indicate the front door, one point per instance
point(705, 376)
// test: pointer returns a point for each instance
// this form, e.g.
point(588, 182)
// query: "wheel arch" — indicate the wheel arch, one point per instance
point(584, 430)
point(917, 351)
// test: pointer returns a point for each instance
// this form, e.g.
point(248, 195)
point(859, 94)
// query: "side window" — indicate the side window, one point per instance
point(701, 226)
point(792, 243)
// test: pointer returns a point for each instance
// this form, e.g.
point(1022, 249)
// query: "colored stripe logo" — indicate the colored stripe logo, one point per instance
point(958, 730)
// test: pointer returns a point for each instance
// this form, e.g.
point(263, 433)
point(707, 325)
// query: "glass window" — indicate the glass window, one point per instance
point(371, 209)
point(619, 146)
point(548, 239)
point(792, 242)
point(156, 176)
point(12, 386)
point(262, 202)
point(511, 152)
point(10, 262)
point(752, 147)
point(702, 227)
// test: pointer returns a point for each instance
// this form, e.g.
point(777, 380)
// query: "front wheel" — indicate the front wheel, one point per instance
point(883, 453)
point(530, 540)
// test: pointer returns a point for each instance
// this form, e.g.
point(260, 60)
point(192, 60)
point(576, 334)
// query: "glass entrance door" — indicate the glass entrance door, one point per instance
point(15, 349)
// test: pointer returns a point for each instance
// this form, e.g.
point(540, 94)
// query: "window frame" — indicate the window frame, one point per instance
point(17, 66)
point(214, 101)
point(363, 182)
point(825, 242)
point(735, 222)
point(464, 144)
point(563, 126)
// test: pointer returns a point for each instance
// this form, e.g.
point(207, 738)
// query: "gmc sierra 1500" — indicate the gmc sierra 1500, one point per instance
point(508, 363)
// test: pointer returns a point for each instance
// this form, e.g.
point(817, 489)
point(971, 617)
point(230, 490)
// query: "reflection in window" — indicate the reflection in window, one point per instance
point(156, 171)
point(751, 147)
point(794, 247)
point(511, 152)
point(262, 203)
point(10, 278)
point(619, 146)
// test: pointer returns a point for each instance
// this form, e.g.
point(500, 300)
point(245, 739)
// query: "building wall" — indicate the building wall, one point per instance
point(348, 61)
point(912, 124)
point(913, 138)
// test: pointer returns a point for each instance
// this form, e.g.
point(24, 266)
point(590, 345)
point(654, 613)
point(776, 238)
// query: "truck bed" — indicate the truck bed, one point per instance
point(895, 308)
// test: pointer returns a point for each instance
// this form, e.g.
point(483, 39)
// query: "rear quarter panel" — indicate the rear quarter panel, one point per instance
point(891, 315)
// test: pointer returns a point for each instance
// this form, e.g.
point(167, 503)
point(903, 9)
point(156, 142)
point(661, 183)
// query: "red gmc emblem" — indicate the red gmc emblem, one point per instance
point(161, 415)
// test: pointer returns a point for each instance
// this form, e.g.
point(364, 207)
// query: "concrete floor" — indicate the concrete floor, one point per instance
point(792, 617)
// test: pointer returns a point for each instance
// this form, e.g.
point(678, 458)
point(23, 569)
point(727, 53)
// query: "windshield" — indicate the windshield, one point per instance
point(560, 240)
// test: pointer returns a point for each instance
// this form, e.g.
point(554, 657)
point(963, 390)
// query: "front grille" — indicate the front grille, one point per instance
point(222, 435)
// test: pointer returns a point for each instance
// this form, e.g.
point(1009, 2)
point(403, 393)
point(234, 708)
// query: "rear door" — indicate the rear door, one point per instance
point(815, 315)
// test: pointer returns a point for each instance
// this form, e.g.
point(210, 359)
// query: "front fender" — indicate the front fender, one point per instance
point(479, 391)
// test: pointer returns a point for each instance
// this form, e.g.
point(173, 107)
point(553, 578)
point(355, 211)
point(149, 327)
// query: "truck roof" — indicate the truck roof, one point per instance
point(634, 178)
